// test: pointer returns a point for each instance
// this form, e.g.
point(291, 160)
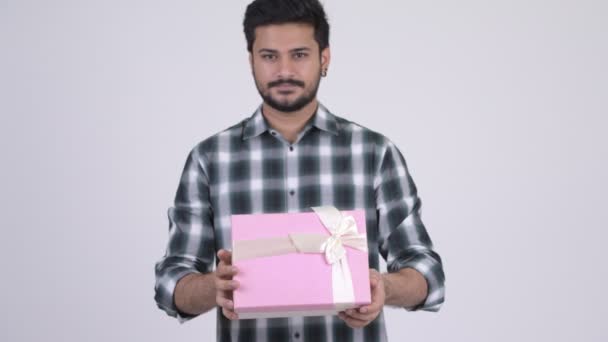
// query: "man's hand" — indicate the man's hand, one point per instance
point(357, 318)
point(224, 284)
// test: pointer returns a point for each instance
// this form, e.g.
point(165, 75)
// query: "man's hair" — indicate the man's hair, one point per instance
point(268, 12)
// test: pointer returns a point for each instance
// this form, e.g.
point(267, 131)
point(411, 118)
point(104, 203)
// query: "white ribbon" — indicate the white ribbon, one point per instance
point(343, 231)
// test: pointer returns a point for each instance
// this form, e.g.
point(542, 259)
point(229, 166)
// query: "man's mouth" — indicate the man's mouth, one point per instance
point(286, 84)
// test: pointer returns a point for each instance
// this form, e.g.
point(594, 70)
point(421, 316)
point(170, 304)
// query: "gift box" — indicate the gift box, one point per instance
point(300, 264)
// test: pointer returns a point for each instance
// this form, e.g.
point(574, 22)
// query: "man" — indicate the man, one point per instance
point(290, 155)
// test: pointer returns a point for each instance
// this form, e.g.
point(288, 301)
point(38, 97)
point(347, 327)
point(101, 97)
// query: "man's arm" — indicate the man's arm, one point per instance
point(416, 278)
point(190, 252)
point(198, 293)
point(406, 288)
point(195, 293)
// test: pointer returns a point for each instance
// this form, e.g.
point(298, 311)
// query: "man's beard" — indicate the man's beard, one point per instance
point(287, 106)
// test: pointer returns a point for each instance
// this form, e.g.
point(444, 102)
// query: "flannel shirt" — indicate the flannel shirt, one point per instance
point(250, 168)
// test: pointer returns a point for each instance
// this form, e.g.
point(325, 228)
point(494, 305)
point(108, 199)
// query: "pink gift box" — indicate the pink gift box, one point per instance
point(293, 284)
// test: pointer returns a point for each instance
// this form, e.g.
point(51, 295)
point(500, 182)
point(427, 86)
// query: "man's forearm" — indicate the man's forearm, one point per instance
point(195, 293)
point(406, 288)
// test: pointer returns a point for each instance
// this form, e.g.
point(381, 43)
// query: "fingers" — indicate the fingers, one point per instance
point(223, 297)
point(378, 295)
point(351, 321)
point(373, 282)
point(362, 315)
point(227, 306)
point(374, 277)
point(372, 309)
point(357, 318)
point(376, 304)
point(225, 256)
point(225, 303)
point(226, 285)
point(225, 272)
point(231, 315)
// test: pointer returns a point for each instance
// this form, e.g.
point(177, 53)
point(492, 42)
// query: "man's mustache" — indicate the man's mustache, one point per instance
point(287, 81)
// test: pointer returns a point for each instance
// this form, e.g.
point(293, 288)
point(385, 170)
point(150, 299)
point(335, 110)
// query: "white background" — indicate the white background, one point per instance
point(499, 108)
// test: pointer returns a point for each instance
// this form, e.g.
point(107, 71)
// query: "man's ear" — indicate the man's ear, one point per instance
point(325, 57)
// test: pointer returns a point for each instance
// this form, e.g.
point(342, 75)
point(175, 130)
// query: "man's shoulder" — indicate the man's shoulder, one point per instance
point(369, 135)
point(212, 143)
point(224, 136)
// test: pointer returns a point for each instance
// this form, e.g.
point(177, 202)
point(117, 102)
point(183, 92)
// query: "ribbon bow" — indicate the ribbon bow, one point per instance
point(343, 231)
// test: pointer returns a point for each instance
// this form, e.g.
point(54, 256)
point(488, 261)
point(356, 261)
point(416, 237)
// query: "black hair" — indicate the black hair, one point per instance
point(267, 12)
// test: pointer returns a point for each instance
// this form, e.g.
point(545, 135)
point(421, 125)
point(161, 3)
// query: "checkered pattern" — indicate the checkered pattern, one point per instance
point(249, 168)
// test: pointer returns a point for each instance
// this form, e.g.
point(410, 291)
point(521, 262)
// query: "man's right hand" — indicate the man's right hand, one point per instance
point(224, 284)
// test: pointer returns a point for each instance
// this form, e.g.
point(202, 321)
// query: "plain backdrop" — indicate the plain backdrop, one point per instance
point(498, 106)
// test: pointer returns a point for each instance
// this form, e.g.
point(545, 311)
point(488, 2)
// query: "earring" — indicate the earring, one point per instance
point(324, 72)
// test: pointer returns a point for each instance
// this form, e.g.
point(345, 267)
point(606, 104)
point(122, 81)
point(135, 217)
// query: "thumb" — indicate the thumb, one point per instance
point(225, 256)
point(374, 282)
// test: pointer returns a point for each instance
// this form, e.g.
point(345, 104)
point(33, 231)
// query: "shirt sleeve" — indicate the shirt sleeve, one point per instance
point(191, 246)
point(404, 241)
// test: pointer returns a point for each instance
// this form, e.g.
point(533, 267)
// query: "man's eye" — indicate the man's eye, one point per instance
point(269, 57)
point(299, 55)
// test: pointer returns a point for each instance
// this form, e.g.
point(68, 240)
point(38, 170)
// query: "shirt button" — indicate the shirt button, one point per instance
point(291, 148)
point(296, 335)
point(273, 133)
point(291, 192)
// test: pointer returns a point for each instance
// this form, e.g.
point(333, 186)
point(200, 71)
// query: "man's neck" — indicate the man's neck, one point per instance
point(289, 124)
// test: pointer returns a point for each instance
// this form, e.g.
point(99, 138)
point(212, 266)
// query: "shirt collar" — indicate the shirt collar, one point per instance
point(256, 124)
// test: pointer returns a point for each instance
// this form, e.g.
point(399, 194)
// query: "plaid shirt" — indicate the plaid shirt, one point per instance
point(250, 168)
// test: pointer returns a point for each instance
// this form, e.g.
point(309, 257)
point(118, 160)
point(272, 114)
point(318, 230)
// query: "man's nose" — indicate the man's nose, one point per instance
point(286, 68)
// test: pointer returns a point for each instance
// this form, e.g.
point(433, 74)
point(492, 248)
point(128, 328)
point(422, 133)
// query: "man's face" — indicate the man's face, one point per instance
point(286, 65)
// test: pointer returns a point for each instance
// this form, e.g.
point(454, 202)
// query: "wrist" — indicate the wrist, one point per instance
point(388, 291)
point(405, 288)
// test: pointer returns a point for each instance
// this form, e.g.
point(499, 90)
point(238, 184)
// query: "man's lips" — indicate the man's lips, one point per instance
point(285, 86)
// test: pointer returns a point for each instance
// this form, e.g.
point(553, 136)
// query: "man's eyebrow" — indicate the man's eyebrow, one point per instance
point(267, 50)
point(300, 49)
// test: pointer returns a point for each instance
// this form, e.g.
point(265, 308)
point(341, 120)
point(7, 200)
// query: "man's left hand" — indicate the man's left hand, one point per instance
point(357, 318)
